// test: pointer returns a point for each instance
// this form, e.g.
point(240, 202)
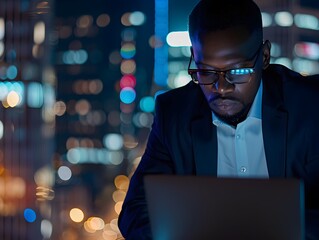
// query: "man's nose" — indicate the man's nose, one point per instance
point(222, 86)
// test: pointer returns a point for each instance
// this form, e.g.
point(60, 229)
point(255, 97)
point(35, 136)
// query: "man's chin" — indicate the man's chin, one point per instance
point(232, 119)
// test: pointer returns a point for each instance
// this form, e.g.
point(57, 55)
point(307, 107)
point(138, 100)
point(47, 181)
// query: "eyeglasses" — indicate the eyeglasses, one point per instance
point(232, 76)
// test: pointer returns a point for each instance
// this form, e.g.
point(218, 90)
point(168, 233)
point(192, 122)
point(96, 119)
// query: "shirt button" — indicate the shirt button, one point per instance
point(243, 169)
point(238, 136)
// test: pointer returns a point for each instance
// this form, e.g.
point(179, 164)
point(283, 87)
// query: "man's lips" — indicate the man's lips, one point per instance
point(224, 103)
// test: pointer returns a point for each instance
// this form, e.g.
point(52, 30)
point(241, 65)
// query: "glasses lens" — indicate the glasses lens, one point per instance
point(206, 77)
point(240, 75)
point(234, 76)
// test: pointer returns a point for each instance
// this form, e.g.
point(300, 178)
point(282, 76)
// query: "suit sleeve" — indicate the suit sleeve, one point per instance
point(133, 219)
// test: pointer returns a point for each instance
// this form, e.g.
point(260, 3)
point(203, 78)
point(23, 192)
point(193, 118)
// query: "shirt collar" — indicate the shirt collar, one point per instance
point(254, 112)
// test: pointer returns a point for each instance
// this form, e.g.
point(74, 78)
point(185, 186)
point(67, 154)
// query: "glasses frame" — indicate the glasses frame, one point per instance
point(224, 73)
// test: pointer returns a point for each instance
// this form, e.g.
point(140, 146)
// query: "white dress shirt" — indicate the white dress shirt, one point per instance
point(241, 150)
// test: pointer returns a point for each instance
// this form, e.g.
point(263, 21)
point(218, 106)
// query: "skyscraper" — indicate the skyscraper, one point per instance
point(103, 58)
point(27, 120)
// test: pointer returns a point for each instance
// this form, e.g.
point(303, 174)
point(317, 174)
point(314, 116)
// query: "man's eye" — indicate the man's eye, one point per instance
point(205, 73)
point(241, 71)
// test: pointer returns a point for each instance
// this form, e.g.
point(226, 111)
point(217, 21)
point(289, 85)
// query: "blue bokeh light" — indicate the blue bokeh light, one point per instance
point(147, 104)
point(127, 95)
point(29, 215)
point(12, 72)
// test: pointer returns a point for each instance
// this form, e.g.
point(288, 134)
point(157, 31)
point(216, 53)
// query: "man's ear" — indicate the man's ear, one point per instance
point(266, 54)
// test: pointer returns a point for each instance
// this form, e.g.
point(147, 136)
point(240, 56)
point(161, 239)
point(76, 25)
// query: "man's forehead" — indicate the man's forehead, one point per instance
point(232, 41)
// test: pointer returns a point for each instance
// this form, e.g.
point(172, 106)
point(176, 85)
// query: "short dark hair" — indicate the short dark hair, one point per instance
point(213, 15)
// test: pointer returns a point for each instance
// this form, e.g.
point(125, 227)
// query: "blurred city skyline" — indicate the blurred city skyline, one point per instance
point(78, 82)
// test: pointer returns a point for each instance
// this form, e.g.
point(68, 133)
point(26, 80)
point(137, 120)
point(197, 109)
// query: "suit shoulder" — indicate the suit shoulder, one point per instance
point(277, 73)
point(179, 95)
point(187, 101)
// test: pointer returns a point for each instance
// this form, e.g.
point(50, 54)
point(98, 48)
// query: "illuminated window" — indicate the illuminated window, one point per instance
point(178, 39)
point(35, 95)
point(307, 50)
point(284, 19)
point(39, 32)
point(306, 21)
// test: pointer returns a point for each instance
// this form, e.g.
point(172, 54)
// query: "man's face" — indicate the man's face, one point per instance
point(231, 49)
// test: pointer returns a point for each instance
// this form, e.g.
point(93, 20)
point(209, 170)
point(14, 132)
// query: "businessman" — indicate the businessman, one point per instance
point(240, 116)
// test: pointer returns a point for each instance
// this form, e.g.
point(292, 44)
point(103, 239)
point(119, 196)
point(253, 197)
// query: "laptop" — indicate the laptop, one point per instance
point(198, 207)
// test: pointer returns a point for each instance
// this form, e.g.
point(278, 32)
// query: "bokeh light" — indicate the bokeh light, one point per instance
point(13, 99)
point(121, 182)
point(306, 21)
point(137, 18)
point(284, 19)
point(2, 28)
point(125, 19)
point(284, 61)
point(147, 104)
point(39, 32)
point(128, 80)
point(128, 34)
point(29, 215)
point(178, 80)
point(109, 235)
point(75, 57)
point(128, 50)
point(82, 107)
point(130, 141)
point(128, 67)
point(276, 50)
point(113, 141)
point(64, 173)
point(44, 194)
point(35, 96)
point(103, 20)
point(266, 19)
point(12, 72)
point(115, 57)
point(76, 215)
point(143, 119)
point(118, 207)
point(1, 130)
point(84, 21)
point(88, 228)
point(44, 177)
point(81, 155)
point(46, 229)
point(95, 223)
point(305, 66)
point(127, 95)
point(127, 108)
point(59, 108)
point(307, 50)
point(178, 39)
point(118, 195)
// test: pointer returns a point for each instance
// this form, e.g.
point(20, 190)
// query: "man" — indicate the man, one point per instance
point(240, 116)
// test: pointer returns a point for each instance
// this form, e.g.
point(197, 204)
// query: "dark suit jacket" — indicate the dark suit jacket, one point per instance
point(183, 141)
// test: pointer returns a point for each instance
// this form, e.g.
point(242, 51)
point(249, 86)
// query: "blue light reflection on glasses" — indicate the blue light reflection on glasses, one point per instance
point(241, 71)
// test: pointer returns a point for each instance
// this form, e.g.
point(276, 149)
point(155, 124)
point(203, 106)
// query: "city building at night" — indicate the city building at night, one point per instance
point(27, 120)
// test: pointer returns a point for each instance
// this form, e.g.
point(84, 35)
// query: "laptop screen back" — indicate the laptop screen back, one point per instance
point(196, 207)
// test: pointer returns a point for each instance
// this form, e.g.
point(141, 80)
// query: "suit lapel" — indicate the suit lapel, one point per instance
point(205, 146)
point(274, 123)
point(274, 134)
